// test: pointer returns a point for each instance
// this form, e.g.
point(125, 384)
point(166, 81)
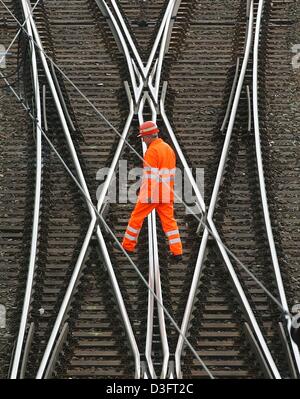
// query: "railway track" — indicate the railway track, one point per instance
point(205, 42)
point(238, 213)
point(17, 189)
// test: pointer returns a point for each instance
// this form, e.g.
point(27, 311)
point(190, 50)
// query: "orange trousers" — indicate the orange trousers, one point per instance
point(169, 225)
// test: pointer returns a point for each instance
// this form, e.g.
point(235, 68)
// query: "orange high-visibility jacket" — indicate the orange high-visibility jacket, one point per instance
point(158, 173)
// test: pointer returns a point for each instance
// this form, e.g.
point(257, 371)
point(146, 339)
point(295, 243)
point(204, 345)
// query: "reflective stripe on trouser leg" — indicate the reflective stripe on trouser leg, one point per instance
point(140, 212)
point(169, 224)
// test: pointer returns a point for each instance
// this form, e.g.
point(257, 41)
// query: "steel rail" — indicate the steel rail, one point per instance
point(161, 314)
point(137, 89)
point(37, 200)
point(201, 253)
point(185, 165)
point(152, 233)
point(154, 91)
point(27, 348)
point(154, 275)
point(55, 354)
point(168, 14)
point(233, 88)
point(146, 70)
point(238, 286)
point(289, 356)
point(150, 312)
point(155, 88)
point(90, 230)
point(129, 39)
point(256, 348)
point(200, 259)
point(102, 243)
point(6, 52)
point(151, 274)
point(107, 260)
point(143, 73)
point(62, 100)
point(82, 254)
point(158, 290)
point(140, 98)
point(45, 109)
point(194, 285)
point(262, 185)
point(249, 109)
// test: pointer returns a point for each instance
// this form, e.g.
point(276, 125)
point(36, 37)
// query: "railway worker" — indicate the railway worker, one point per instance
point(156, 191)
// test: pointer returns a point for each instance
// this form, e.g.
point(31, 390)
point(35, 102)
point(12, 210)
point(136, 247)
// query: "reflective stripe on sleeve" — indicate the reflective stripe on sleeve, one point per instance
point(174, 241)
point(172, 233)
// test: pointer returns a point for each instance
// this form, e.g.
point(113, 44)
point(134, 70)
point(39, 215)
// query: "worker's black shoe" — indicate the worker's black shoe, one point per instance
point(176, 258)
